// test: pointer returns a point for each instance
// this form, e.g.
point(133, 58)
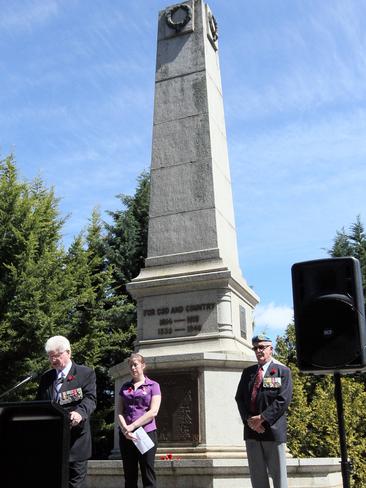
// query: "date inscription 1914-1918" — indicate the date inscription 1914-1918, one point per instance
point(179, 319)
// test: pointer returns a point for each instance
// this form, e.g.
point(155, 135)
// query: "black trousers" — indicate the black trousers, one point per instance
point(132, 458)
point(77, 474)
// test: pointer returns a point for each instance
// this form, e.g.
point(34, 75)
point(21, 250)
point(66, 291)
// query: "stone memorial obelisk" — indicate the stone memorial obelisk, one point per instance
point(195, 310)
point(191, 294)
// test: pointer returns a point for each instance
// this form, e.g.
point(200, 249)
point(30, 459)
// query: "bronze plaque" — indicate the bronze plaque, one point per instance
point(177, 421)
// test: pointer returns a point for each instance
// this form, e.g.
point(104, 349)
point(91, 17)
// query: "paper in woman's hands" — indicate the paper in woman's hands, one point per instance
point(142, 441)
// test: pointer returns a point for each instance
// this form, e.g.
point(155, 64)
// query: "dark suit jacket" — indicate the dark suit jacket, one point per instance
point(78, 377)
point(272, 402)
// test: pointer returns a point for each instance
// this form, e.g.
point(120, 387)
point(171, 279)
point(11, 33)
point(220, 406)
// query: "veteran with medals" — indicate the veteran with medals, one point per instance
point(263, 396)
point(73, 387)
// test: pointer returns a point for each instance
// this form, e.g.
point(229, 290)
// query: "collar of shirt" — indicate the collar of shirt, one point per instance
point(265, 367)
point(65, 371)
point(146, 382)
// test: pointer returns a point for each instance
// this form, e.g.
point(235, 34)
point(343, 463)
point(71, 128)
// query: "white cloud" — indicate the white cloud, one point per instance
point(320, 63)
point(27, 14)
point(272, 317)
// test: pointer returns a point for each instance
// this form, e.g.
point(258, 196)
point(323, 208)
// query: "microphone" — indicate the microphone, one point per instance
point(34, 375)
point(31, 376)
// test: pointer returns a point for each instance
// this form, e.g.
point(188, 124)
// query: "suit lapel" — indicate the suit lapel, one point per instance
point(72, 372)
point(51, 385)
point(268, 370)
point(253, 374)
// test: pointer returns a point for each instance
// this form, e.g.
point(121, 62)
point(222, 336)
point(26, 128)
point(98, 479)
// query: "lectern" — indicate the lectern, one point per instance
point(34, 445)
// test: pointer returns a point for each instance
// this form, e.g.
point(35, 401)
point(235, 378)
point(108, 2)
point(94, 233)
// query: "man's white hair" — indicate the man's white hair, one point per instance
point(57, 343)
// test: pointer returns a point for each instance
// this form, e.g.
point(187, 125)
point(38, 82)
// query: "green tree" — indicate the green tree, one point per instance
point(126, 240)
point(299, 410)
point(324, 437)
point(102, 321)
point(80, 293)
point(352, 243)
point(31, 284)
point(124, 251)
point(100, 324)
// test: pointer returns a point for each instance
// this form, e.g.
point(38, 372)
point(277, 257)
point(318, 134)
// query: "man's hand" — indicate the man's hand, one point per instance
point(256, 424)
point(75, 418)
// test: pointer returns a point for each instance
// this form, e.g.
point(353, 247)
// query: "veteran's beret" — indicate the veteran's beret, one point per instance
point(261, 338)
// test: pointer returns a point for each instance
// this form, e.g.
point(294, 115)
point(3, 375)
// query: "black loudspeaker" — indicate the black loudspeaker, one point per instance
point(329, 315)
point(34, 445)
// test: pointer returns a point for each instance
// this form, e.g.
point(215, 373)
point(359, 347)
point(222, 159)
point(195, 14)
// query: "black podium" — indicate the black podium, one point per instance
point(34, 445)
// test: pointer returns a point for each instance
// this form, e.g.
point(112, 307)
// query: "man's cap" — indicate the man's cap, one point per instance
point(261, 338)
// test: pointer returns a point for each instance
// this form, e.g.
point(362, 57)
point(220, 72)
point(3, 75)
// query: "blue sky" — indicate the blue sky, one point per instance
point(76, 98)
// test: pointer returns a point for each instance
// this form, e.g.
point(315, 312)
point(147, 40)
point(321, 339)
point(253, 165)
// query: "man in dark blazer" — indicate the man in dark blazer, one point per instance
point(263, 395)
point(73, 386)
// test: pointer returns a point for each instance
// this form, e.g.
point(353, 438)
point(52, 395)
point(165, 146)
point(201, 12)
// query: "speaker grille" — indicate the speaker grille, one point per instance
point(329, 315)
point(330, 332)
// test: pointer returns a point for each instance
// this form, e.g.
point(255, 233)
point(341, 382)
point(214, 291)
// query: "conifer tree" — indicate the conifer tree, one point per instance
point(99, 324)
point(126, 240)
point(352, 243)
point(79, 293)
point(31, 262)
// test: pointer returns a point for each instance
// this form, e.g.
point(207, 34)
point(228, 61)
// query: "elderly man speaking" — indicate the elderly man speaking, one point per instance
point(263, 395)
point(73, 386)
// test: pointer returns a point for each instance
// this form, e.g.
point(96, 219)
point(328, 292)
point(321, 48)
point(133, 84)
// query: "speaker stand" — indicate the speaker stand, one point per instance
point(345, 462)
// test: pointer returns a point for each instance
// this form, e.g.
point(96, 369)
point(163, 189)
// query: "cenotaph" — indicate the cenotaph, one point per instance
point(194, 308)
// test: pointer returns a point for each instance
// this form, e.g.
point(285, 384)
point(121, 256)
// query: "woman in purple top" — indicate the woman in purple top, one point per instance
point(138, 405)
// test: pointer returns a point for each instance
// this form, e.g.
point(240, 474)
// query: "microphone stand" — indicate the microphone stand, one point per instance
point(28, 378)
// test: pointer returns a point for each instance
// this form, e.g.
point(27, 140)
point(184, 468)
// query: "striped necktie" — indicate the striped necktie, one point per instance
point(58, 383)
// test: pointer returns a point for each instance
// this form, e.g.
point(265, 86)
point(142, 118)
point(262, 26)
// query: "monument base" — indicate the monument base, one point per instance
point(219, 473)
point(198, 417)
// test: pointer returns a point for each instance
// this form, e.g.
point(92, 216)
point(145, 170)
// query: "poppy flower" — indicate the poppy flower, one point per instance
point(273, 371)
point(70, 377)
point(169, 457)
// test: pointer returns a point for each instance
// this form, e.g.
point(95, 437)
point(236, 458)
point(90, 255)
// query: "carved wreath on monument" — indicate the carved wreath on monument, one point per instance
point(213, 27)
point(178, 25)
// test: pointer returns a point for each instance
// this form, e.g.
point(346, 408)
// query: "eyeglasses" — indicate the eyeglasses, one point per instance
point(55, 355)
point(260, 348)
